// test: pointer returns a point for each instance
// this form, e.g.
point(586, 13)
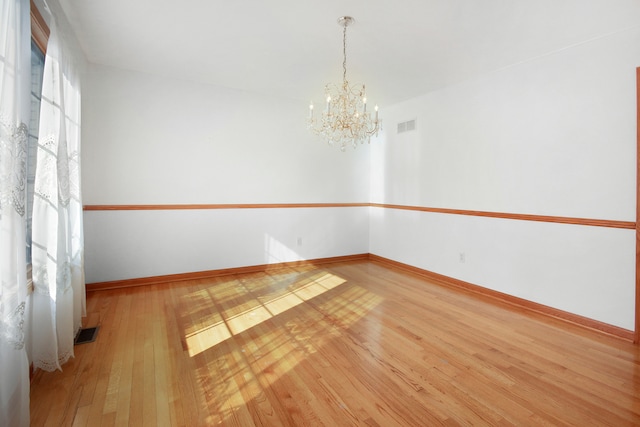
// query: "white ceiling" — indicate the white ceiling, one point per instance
point(291, 48)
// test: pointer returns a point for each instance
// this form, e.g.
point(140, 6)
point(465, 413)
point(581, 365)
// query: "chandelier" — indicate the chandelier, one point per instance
point(345, 119)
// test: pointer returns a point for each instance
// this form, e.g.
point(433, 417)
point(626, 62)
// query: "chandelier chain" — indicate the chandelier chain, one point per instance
point(344, 54)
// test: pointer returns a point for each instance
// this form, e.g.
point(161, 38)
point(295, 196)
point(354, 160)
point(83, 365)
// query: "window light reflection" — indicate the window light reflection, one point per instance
point(212, 335)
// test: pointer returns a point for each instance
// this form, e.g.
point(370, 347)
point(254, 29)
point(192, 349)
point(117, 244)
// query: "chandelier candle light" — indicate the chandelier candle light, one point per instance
point(345, 119)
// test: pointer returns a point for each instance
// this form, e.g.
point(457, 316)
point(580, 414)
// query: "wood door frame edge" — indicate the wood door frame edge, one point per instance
point(637, 299)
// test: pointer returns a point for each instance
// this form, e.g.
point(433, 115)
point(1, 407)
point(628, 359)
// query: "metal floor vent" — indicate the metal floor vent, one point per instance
point(86, 335)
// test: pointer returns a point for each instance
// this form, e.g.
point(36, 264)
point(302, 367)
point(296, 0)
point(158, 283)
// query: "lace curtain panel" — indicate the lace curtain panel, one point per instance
point(58, 301)
point(15, 53)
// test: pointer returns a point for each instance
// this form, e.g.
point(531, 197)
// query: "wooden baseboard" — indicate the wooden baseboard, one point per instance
point(509, 299)
point(156, 280)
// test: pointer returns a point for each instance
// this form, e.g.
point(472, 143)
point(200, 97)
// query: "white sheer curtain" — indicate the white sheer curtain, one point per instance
point(58, 302)
point(15, 78)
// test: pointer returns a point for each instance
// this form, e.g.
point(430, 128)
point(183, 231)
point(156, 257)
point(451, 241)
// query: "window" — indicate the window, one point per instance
point(39, 37)
point(37, 70)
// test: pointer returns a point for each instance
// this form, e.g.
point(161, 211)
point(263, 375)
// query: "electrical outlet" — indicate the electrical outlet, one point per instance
point(299, 241)
point(463, 257)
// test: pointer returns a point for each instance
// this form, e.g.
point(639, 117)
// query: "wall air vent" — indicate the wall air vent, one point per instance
point(407, 126)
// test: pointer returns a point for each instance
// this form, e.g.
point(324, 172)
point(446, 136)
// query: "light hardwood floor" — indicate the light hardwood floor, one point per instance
point(352, 343)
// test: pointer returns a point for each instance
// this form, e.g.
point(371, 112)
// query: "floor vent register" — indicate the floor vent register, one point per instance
point(86, 335)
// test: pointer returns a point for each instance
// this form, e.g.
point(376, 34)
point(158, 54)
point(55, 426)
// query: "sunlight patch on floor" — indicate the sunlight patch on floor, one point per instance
point(211, 335)
point(263, 354)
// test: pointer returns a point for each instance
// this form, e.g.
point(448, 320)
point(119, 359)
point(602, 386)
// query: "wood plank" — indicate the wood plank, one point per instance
point(139, 328)
point(149, 409)
point(352, 343)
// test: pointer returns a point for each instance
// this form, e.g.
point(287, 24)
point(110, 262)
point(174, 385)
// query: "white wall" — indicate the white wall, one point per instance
point(587, 271)
point(131, 244)
point(552, 136)
point(154, 140)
